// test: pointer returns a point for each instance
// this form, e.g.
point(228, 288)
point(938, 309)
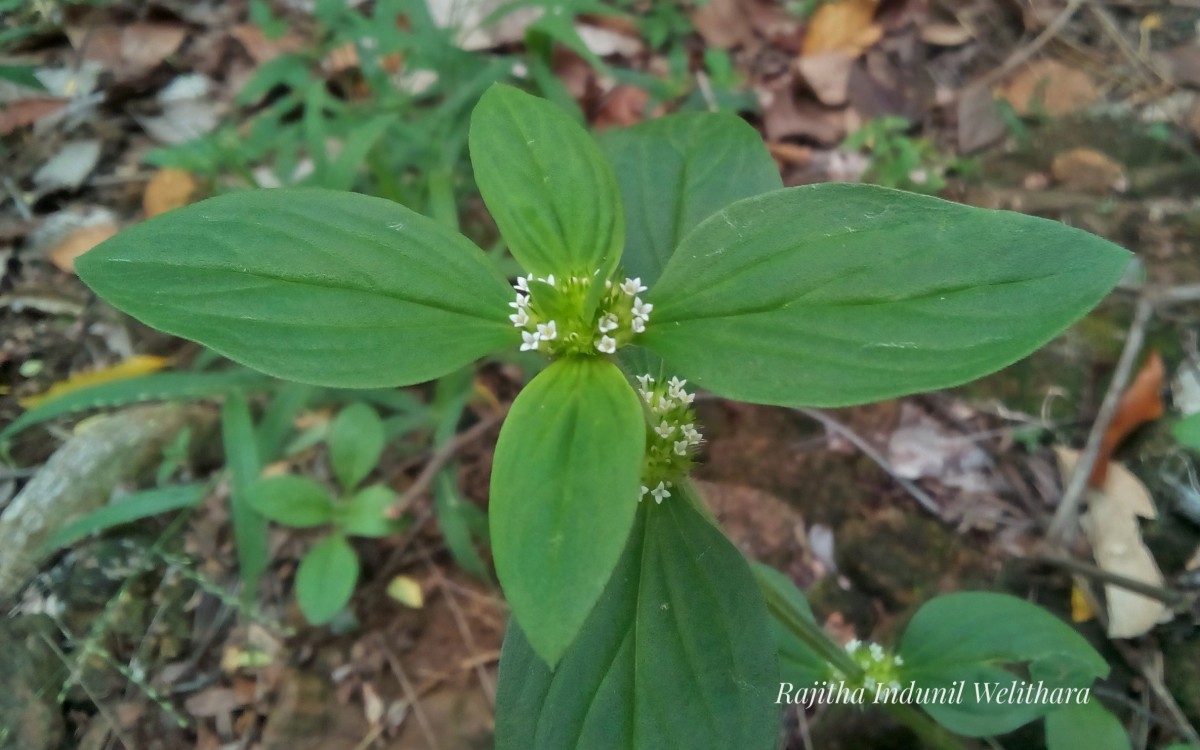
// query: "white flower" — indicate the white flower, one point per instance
point(681, 447)
point(648, 396)
point(607, 344)
point(529, 341)
point(523, 282)
point(645, 489)
point(852, 645)
point(548, 331)
point(642, 309)
point(876, 652)
point(548, 280)
point(639, 325)
point(897, 660)
point(633, 287)
point(675, 388)
point(665, 429)
point(644, 381)
point(686, 398)
point(608, 323)
point(690, 432)
point(520, 318)
point(660, 493)
point(522, 301)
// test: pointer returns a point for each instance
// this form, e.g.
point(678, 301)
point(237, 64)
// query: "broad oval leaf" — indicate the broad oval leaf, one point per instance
point(546, 183)
point(832, 295)
point(366, 513)
point(326, 577)
point(356, 441)
point(678, 170)
point(1088, 725)
point(564, 492)
point(677, 654)
point(292, 501)
point(967, 637)
point(311, 285)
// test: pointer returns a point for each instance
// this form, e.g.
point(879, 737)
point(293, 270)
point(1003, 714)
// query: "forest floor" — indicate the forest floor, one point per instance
point(110, 112)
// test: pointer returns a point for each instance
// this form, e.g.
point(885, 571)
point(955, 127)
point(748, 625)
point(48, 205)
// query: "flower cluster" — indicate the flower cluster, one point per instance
point(879, 667)
point(553, 316)
point(671, 434)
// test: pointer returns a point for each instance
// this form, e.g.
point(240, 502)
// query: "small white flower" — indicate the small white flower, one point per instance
point(548, 331)
point(523, 282)
point(529, 341)
point(548, 280)
point(852, 645)
point(690, 432)
point(522, 301)
point(520, 318)
point(869, 682)
point(607, 283)
point(608, 323)
point(876, 652)
point(645, 489)
point(897, 660)
point(675, 388)
point(644, 381)
point(687, 398)
point(633, 287)
point(663, 404)
point(642, 309)
point(648, 396)
point(660, 493)
point(607, 344)
point(665, 429)
point(639, 325)
point(681, 447)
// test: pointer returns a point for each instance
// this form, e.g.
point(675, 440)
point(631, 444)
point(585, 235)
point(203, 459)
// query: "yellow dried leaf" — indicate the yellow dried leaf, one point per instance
point(844, 26)
point(78, 242)
point(1081, 608)
point(139, 364)
point(407, 591)
point(168, 189)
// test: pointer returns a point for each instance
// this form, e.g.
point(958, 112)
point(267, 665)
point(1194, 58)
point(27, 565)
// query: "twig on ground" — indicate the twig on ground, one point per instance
point(1063, 523)
point(1174, 599)
point(832, 425)
point(443, 454)
point(485, 680)
point(410, 695)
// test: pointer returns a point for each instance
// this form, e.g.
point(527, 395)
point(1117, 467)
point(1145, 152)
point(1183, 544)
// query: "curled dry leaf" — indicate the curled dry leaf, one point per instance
point(1140, 403)
point(828, 75)
point(1111, 525)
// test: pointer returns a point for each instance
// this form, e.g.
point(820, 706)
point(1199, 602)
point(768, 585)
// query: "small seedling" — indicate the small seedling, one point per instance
point(329, 571)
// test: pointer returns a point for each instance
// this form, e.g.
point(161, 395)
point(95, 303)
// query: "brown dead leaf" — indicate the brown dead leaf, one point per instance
point(622, 107)
point(828, 75)
point(262, 48)
point(945, 34)
point(723, 23)
point(1088, 170)
point(212, 701)
point(167, 190)
point(1111, 525)
point(979, 122)
point(1182, 64)
point(22, 112)
point(1051, 87)
point(785, 116)
point(846, 26)
point(128, 50)
point(79, 242)
point(1140, 403)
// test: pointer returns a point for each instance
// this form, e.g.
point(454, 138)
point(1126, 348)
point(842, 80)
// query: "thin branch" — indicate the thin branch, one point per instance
point(832, 425)
point(1068, 507)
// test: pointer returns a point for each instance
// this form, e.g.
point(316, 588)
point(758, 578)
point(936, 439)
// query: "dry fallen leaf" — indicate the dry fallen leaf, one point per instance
point(945, 34)
point(262, 48)
point(828, 75)
point(1089, 171)
point(167, 190)
point(1140, 403)
point(139, 364)
point(69, 167)
point(69, 234)
point(1081, 608)
point(723, 23)
point(1111, 525)
point(22, 112)
point(407, 591)
point(846, 26)
point(1050, 87)
point(129, 50)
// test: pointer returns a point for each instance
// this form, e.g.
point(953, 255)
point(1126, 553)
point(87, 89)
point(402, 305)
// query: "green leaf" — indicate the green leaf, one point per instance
point(831, 295)
point(1186, 432)
point(166, 386)
point(1089, 725)
point(564, 491)
point(363, 514)
point(546, 183)
point(967, 637)
point(452, 514)
point(127, 509)
point(356, 441)
point(678, 170)
point(310, 285)
point(243, 463)
point(326, 578)
point(676, 654)
point(292, 501)
point(798, 663)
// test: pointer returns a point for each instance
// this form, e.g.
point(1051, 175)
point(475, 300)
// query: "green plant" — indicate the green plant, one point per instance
point(670, 250)
point(901, 161)
point(328, 573)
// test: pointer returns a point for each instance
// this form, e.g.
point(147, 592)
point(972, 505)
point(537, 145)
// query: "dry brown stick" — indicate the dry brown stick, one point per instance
point(1068, 507)
point(485, 681)
point(869, 451)
point(446, 452)
point(1022, 55)
point(1169, 597)
point(410, 695)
